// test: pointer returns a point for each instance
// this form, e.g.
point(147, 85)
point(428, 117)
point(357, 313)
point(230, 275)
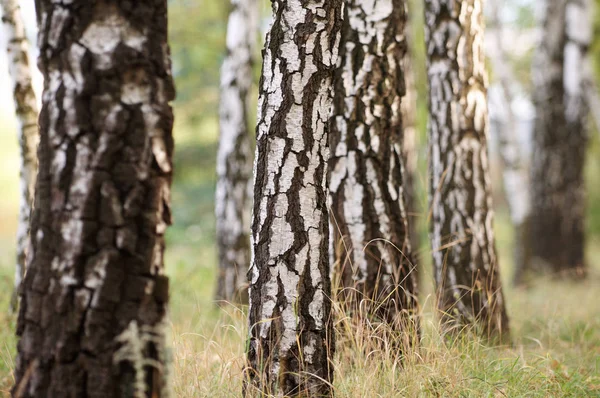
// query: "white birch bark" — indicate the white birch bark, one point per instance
point(372, 244)
point(291, 334)
point(27, 115)
point(234, 158)
point(92, 317)
point(462, 236)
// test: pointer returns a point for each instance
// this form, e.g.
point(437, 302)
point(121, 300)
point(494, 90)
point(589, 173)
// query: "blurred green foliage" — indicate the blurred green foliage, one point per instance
point(197, 32)
point(197, 36)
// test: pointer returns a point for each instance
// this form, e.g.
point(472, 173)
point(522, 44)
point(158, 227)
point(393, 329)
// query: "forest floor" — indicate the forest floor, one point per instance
point(555, 324)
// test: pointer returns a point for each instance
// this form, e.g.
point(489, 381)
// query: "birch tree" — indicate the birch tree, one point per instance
point(27, 114)
point(461, 227)
point(410, 147)
point(234, 159)
point(92, 315)
point(291, 334)
point(372, 245)
point(560, 137)
point(515, 167)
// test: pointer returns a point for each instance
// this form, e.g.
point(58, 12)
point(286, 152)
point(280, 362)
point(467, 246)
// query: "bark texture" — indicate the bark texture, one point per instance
point(234, 159)
point(515, 167)
point(27, 115)
point(92, 317)
point(560, 137)
point(462, 236)
point(291, 334)
point(368, 205)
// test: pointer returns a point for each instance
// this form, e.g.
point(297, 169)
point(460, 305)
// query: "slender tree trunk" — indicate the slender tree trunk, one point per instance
point(515, 167)
point(560, 137)
point(92, 317)
point(291, 333)
point(27, 114)
point(234, 160)
point(372, 246)
point(410, 148)
point(462, 236)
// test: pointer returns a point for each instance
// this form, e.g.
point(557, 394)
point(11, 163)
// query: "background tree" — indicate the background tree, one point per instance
point(92, 318)
point(291, 334)
point(462, 237)
point(507, 126)
point(368, 209)
point(234, 160)
point(27, 114)
point(560, 137)
point(410, 149)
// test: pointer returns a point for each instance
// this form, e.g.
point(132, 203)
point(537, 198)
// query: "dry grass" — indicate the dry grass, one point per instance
point(556, 352)
point(556, 349)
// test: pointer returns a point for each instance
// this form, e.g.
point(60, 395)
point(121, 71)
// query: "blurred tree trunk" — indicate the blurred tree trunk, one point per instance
point(592, 95)
point(234, 159)
point(560, 138)
point(515, 168)
point(291, 331)
point(410, 152)
point(92, 316)
point(27, 114)
point(462, 236)
point(369, 217)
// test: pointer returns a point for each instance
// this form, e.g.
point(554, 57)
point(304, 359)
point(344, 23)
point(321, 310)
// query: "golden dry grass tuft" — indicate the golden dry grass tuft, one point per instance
point(556, 352)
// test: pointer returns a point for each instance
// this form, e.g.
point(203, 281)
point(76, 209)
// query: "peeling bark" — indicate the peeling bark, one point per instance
point(291, 333)
point(368, 205)
point(560, 138)
point(92, 317)
point(515, 169)
point(462, 236)
point(234, 159)
point(27, 114)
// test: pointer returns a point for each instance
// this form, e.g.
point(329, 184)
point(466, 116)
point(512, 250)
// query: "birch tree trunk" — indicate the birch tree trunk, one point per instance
point(560, 137)
point(410, 148)
point(291, 333)
point(462, 236)
point(515, 168)
point(234, 159)
point(92, 317)
point(27, 115)
point(372, 246)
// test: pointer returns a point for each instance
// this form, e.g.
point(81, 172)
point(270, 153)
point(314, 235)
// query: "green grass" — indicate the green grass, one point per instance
point(555, 324)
